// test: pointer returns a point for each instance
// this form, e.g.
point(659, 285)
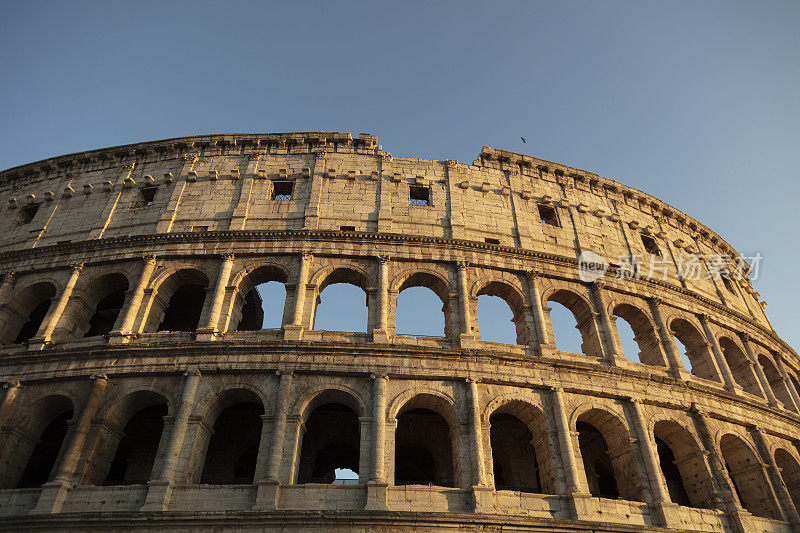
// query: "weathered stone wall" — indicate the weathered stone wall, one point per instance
point(122, 236)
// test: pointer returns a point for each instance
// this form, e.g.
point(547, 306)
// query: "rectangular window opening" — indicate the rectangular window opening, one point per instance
point(420, 195)
point(548, 215)
point(726, 280)
point(147, 195)
point(347, 228)
point(199, 229)
point(282, 190)
point(490, 240)
point(650, 245)
point(26, 214)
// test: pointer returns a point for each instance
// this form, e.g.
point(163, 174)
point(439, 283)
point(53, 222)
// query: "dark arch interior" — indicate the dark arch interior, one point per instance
point(597, 462)
point(106, 313)
point(45, 453)
point(184, 308)
point(513, 455)
point(424, 452)
point(233, 448)
point(331, 442)
point(749, 482)
point(34, 322)
point(672, 475)
point(136, 451)
point(260, 300)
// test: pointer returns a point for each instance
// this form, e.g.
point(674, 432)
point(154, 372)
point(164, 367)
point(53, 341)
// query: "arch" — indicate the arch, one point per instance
point(247, 308)
point(775, 382)
point(96, 308)
point(340, 394)
point(331, 438)
point(125, 445)
point(740, 366)
point(346, 275)
point(789, 470)
point(697, 349)
point(434, 283)
point(584, 316)
point(608, 456)
point(178, 301)
point(426, 442)
point(515, 301)
point(748, 477)
point(30, 455)
point(231, 448)
point(683, 466)
point(25, 312)
point(522, 457)
point(645, 334)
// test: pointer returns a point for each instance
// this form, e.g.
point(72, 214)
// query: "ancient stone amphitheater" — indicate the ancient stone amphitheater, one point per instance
point(140, 389)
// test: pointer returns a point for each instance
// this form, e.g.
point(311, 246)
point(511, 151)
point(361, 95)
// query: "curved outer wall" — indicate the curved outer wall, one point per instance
point(142, 221)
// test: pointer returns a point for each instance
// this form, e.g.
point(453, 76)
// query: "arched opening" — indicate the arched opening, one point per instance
point(566, 335)
point(775, 381)
point(683, 466)
point(582, 318)
point(790, 474)
point(137, 449)
point(424, 444)
point(30, 455)
point(749, 480)
point(331, 442)
point(423, 307)
point(233, 448)
point(608, 457)
point(339, 310)
point(178, 302)
point(103, 302)
point(740, 366)
point(521, 449)
point(260, 300)
point(25, 312)
point(501, 314)
point(638, 336)
point(696, 349)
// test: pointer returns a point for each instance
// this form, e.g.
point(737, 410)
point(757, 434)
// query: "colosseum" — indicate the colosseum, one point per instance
point(141, 389)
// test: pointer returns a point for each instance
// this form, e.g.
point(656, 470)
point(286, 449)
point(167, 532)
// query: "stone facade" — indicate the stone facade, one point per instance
point(135, 396)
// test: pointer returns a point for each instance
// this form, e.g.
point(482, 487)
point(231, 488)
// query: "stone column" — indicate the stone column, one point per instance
point(467, 338)
point(294, 331)
point(762, 378)
point(43, 340)
point(5, 286)
point(793, 393)
point(782, 493)
point(134, 302)
point(649, 453)
point(159, 490)
point(609, 331)
point(543, 336)
point(381, 333)
point(267, 496)
point(377, 487)
point(54, 493)
point(210, 330)
point(574, 481)
point(481, 491)
point(10, 390)
point(722, 364)
point(670, 349)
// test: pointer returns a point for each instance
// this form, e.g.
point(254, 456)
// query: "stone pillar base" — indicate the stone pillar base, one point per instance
point(483, 499)
point(582, 506)
point(38, 343)
point(377, 496)
point(668, 514)
point(267, 495)
point(207, 334)
point(467, 341)
point(546, 350)
point(380, 336)
point(734, 388)
point(681, 374)
point(159, 493)
point(292, 332)
point(118, 337)
point(741, 521)
point(51, 498)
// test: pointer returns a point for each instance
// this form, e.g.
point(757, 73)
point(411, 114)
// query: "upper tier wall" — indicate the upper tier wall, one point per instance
point(225, 182)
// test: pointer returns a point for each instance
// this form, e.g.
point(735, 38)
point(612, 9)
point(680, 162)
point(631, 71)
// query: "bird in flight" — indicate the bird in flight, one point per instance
point(523, 140)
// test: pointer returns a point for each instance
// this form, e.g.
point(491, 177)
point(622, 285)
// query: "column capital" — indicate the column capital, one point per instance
point(228, 256)
point(306, 256)
point(462, 265)
point(598, 284)
point(12, 384)
point(150, 259)
point(76, 267)
point(656, 300)
point(192, 372)
point(383, 259)
point(8, 275)
point(473, 380)
point(98, 377)
point(533, 274)
point(284, 372)
point(379, 376)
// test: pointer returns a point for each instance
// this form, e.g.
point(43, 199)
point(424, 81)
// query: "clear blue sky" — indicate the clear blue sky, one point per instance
point(694, 102)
